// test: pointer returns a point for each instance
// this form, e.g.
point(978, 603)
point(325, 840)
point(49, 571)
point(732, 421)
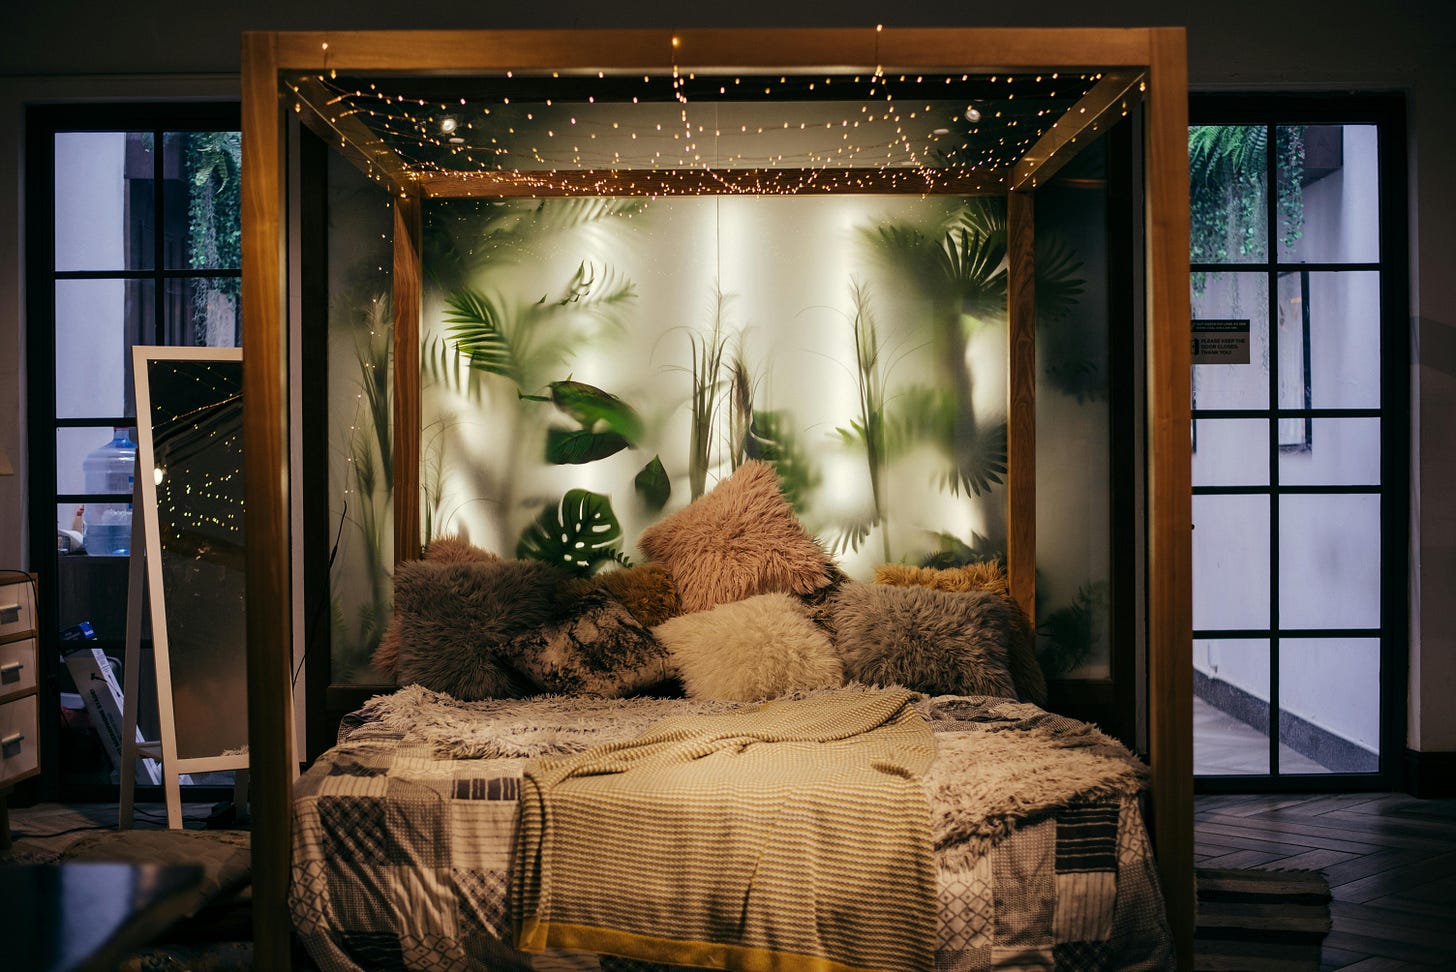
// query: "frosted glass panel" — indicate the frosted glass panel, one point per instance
point(1230, 562)
point(1342, 452)
point(1329, 700)
point(1329, 561)
point(361, 475)
point(1236, 297)
point(842, 338)
point(1073, 462)
point(1230, 452)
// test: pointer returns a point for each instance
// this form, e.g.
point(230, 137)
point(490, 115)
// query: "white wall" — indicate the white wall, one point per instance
point(90, 49)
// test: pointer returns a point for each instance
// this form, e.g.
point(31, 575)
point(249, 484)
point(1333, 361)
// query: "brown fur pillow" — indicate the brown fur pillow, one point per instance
point(601, 651)
point(990, 576)
point(738, 540)
point(457, 622)
point(646, 591)
point(758, 648)
point(936, 642)
point(446, 550)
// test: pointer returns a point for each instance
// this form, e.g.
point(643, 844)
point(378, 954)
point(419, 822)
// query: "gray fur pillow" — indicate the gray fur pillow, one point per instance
point(601, 650)
point(457, 623)
point(936, 642)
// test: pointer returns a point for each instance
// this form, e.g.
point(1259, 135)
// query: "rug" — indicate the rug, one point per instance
point(1260, 920)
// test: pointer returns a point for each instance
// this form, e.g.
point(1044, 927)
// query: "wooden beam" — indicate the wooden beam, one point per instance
point(1095, 112)
point(1021, 394)
point(994, 49)
point(406, 448)
point(347, 135)
point(702, 182)
point(267, 533)
point(1169, 498)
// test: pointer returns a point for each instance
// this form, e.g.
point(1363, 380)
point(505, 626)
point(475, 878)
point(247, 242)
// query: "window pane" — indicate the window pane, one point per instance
point(1230, 562)
point(1329, 561)
point(1230, 707)
point(1231, 452)
point(203, 312)
point(1329, 705)
point(1228, 174)
point(104, 203)
point(73, 445)
point(1329, 194)
point(203, 219)
point(97, 322)
point(1341, 452)
point(1238, 297)
point(1338, 316)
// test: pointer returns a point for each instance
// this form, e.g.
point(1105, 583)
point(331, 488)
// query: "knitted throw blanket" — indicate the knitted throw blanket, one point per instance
point(740, 840)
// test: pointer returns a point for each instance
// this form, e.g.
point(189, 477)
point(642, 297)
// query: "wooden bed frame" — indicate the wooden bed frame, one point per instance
point(1146, 64)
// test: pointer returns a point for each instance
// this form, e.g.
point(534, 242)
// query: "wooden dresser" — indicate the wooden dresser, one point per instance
point(19, 713)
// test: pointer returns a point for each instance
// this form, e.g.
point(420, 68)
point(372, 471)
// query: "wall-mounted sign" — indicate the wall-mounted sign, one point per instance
point(1220, 342)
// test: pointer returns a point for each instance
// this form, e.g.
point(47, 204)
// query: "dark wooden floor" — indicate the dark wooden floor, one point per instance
point(1390, 860)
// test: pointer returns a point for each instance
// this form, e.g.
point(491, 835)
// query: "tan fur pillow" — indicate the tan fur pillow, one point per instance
point(738, 540)
point(936, 642)
point(759, 648)
point(990, 576)
point(647, 592)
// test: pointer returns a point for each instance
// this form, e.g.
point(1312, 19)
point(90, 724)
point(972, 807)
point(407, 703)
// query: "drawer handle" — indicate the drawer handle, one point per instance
point(9, 613)
point(10, 745)
point(11, 672)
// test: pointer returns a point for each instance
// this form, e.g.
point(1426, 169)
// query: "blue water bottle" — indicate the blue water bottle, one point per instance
point(109, 469)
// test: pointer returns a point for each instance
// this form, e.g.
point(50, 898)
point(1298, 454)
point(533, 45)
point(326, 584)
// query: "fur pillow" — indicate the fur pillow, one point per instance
point(646, 591)
point(738, 540)
point(936, 642)
point(758, 648)
point(990, 576)
point(456, 623)
point(446, 550)
point(602, 651)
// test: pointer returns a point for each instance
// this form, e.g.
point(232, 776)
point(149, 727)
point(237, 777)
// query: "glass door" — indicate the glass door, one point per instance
point(1299, 434)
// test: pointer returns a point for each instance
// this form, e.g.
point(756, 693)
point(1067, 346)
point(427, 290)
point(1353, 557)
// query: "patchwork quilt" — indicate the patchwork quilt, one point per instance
point(402, 860)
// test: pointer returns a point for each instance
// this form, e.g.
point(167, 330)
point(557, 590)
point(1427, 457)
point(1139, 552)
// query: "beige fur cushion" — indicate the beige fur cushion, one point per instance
point(758, 648)
point(738, 540)
point(936, 642)
point(1025, 669)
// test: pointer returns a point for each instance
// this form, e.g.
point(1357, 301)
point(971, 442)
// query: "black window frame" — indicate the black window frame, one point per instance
point(1387, 113)
point(42, 124)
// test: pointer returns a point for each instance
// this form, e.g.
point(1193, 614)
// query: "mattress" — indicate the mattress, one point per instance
point(403, 832)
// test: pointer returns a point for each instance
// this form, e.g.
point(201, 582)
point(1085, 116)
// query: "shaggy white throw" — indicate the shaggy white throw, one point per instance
point(998, 763)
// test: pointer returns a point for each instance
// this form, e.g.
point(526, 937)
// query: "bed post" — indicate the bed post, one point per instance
point(406, 304)
point(1021, 396)
point(266, 507)
point(1169, 496)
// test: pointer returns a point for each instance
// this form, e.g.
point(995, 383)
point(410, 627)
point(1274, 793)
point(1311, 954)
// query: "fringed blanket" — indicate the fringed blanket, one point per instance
point(738, 841)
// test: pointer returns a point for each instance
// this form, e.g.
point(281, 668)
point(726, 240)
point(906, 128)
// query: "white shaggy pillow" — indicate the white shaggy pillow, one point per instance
point(758, 648)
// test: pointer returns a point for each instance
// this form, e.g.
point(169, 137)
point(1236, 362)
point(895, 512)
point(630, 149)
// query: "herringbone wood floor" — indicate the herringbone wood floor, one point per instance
point(1390, 860)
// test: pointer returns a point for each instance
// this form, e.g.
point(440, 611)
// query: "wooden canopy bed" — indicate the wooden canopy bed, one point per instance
point(1131, 65)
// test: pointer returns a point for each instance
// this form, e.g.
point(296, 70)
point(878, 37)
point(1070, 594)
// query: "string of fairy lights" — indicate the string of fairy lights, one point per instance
point(685, 132)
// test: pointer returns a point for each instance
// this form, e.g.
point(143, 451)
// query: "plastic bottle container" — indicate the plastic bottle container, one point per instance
point(109, 469)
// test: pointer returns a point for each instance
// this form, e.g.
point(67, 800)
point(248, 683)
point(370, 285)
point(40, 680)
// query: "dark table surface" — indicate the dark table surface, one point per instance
point(87, 916)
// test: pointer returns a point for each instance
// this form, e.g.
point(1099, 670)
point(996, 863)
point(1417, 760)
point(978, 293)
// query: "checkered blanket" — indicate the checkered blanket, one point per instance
point(402, 857)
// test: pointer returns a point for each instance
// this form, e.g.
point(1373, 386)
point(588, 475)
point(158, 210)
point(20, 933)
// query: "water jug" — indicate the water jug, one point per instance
point(109, 469)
